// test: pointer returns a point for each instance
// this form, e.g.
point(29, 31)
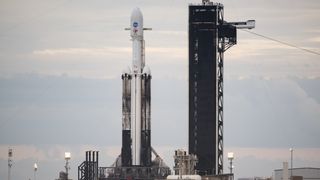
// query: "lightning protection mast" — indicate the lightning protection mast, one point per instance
point(209, 37)
point(10, 161)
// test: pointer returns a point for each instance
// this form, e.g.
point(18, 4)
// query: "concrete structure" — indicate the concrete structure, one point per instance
point(285, 172)
point(180, 177)
point(63, 176)
point(256, 178)
point(184, 163)
point(307, 173)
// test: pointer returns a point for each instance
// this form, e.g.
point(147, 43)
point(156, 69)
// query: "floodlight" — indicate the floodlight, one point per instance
point(67, 155)
point(10, 153)
point(230, 155)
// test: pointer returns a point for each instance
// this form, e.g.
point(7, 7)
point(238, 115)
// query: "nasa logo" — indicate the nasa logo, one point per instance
point(135, 24)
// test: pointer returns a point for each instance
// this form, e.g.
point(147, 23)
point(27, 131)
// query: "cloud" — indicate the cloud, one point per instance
point(51, 103)
point(83, 51)
point(312, 30)
point(315, 39)
point(173, 33)
point(174, 51)
point(278, 154)
point(255, 48)
point(22, 152)
point(54, 152)
point(250, 162)
point(86, 39)
point(277, 112)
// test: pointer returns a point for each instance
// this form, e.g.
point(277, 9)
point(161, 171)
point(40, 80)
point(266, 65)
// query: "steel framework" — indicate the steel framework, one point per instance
point(209, 37)
point(88, 170)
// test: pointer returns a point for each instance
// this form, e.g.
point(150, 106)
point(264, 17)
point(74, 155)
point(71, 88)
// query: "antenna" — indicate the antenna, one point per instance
point(230, 158)
point(35, 168)
point(10, 153)
point(67, 157)
point(206, 2)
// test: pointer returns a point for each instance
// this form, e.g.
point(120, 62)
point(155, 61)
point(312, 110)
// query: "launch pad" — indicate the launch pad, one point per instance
point(209, 37)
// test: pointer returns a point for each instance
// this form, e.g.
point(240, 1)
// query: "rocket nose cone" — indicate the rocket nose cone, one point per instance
point(136, 14)
point(136, 23)
point(146, 70)
point(126, 70)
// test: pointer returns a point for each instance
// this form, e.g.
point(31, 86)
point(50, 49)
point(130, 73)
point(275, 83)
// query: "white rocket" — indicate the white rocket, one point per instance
point(135, 159)
point(137, 86)
point(137, 65)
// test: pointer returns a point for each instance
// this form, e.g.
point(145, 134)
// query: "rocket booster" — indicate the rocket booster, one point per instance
point(136, 100)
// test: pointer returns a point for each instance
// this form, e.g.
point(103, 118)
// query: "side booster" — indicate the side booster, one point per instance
point(136, 112)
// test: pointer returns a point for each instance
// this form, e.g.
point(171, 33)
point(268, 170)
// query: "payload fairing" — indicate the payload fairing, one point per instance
point(136, 113)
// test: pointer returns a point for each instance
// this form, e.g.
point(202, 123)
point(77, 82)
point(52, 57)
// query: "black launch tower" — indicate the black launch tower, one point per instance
point(209, 37)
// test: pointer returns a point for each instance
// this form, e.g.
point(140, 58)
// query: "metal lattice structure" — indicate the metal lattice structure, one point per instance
point(184, 163)
point(88, 170)
point(209, 37)
point(10, 162)
point(221, 46)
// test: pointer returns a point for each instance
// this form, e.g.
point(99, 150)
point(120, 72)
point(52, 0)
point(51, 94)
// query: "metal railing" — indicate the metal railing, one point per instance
point(142, 173)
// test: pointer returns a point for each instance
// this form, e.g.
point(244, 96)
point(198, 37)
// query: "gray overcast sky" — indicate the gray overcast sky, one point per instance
point(60, 87)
